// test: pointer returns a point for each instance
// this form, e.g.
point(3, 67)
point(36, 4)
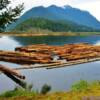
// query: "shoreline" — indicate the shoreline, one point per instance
point(26, 35)
point(50, 34)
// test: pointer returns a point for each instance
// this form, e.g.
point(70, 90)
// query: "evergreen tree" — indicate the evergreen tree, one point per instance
point(8, 14)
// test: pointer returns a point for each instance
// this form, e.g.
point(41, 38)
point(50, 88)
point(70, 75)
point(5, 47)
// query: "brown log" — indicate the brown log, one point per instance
point(24, 58)
point(16, 80)
point(5, 69)
point(42, 53)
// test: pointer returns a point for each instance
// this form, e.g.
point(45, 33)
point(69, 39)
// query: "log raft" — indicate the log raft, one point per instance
point(44, 54)
point(24, 58)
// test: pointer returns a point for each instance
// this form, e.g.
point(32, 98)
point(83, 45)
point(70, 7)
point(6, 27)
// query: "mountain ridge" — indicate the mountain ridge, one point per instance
point(61, 13)
point(55, 26)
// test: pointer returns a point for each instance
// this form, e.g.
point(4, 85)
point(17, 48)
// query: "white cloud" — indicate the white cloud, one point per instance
point(93, 6)
point(81, 1)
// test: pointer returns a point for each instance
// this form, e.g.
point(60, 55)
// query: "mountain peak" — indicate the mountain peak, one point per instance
point(62, 13)
point(67, 6)
point(64, 7)
point(52, 6)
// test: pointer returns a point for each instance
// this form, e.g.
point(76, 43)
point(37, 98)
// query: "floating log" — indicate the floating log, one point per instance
point(68, 48)
point(16, 80)
point(24, 58)
point(44, 54)
point(7, 70)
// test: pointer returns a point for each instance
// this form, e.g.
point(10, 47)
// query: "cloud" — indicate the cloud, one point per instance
point(80, 1)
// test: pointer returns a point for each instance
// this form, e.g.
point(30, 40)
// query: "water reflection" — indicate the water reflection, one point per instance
point(97, 43)
point(7, 43)
point(56, 40)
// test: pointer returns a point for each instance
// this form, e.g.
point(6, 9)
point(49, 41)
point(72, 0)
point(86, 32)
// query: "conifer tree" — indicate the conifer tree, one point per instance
point(8, 14)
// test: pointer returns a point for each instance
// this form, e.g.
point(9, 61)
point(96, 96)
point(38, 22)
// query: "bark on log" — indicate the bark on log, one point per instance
point(44, 54)
point(5, 69)
point(24, 58)
point(16, 80)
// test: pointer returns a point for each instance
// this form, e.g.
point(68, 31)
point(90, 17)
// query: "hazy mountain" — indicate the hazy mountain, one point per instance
point(61, 13)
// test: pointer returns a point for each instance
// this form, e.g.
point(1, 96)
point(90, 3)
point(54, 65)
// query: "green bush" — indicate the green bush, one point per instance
point(82, 85)
point(18, 92)
point(45, 89)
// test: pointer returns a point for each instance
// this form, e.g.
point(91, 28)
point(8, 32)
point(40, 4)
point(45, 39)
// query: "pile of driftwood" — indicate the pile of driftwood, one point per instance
point(44, 54)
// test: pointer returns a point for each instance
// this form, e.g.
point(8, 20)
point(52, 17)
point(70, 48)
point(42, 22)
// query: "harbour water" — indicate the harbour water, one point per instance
point(60, 78)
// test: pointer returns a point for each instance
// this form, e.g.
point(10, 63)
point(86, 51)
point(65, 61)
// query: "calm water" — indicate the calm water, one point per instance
point(59, 79)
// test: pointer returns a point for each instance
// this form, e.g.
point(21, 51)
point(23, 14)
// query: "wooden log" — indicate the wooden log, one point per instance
point(68, 48)
point(24, 58)
point(37, 48)
point(42, 53)
point(85, 56)
point(16, 80)
point(31, 48)
point(5, 69)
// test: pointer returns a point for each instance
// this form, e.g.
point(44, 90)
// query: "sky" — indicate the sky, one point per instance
point(93, 6)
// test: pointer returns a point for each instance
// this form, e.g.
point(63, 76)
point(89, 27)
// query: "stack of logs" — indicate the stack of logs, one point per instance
point(42, 53)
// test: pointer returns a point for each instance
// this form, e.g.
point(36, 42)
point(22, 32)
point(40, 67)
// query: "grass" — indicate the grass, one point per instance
point(17, 92)
point(79, 91)
point(82, 85)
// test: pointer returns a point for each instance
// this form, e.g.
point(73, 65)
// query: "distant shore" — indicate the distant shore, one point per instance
point(49, 34)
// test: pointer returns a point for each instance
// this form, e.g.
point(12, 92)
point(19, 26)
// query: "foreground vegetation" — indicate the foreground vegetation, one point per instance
point(79, 91)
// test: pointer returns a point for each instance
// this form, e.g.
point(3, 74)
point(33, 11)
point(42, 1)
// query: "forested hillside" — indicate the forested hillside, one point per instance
point(42, 23)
